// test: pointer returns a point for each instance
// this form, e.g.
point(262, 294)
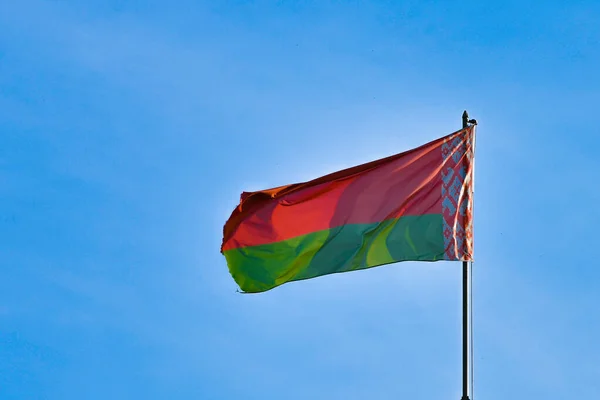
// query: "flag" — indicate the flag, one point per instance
point(412, 206)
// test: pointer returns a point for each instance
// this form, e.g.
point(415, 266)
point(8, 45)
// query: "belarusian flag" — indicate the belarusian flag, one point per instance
point(413, 206)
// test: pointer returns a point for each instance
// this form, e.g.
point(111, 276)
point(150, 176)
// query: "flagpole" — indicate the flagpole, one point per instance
point(465, 306)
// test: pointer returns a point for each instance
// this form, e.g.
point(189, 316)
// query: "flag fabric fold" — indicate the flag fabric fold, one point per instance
point(412, 206)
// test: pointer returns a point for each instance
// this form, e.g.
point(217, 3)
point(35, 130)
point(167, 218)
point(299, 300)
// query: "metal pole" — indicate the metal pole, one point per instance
point(465, 308)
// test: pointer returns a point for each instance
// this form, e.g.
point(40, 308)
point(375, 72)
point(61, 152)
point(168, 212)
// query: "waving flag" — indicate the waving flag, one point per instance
point(413, 206)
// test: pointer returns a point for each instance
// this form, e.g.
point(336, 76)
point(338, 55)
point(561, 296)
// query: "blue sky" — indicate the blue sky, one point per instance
point(129, 129)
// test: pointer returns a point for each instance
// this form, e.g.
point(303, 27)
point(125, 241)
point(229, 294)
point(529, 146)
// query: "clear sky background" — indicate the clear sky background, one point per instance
point(128, 130)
